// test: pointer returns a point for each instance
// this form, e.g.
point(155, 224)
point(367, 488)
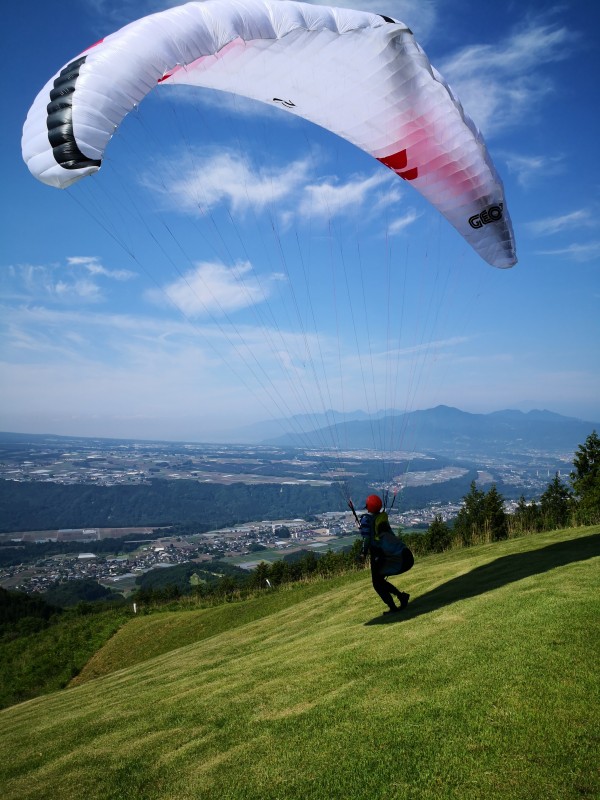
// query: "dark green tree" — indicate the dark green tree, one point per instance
point(526, 518)
point(353, 558)
point(73, 592)
point(481, 517)
point(171, 592)
point(260, 575)
point(418, 543)
point(496, 526)
point(555, 504)
point(309, 564)
point(280, 572)
point(329, 563)
point(470, 520)
point(21, 613)
point(585, 480)
point(439, 536)
point(226, 587)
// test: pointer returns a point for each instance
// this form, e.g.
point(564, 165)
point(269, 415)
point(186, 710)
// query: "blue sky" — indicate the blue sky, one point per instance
point(231, 264)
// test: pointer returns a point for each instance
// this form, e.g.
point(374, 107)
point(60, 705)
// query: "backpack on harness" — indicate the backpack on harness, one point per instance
point(398, 558)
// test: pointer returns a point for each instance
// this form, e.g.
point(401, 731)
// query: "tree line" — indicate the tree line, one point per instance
point(221, 582)
point(482, 517)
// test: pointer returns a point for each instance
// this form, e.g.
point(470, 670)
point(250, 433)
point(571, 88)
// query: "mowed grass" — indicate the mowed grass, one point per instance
point(486, 687)
point(148, 636)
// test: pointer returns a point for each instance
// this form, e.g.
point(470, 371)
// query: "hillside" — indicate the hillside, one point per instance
point(204, 506)
point(48, 506)
point(485, 688)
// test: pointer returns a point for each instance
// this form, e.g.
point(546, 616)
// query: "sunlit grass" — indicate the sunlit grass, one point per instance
point(486, 688)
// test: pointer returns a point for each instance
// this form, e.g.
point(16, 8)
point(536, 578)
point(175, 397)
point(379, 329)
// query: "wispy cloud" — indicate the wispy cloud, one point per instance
point(47, 335)
point(81, 279)
point(90, 361)
point(576, 252)
point(332, 197)
point(94, 266)
point(427, 347)
point(529, 169)
point(503, 85)
point(400, 224)
point(582, 218)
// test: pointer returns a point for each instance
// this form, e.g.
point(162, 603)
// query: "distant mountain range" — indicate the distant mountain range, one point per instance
point(444, 430)
point(299, 423)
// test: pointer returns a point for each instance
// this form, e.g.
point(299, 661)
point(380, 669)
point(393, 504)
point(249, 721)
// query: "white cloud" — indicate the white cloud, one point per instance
point(524, 51)
point(288, 192)
point(94, 267)
point(577, 252)
point(226, 178)
point(503, 85)
point(212, 289)
point(582, 218)
point(34, 283)
point(400, 224)
point(332, 198)
point(80, 280)
point(79, 289)
point(528, 169)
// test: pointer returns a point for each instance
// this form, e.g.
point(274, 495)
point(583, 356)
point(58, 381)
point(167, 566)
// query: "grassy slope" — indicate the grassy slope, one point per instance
point(486, 688)
point(47, 660)
point(148, 636)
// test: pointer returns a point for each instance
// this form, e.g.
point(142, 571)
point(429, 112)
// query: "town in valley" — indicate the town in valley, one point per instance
point(76, 461)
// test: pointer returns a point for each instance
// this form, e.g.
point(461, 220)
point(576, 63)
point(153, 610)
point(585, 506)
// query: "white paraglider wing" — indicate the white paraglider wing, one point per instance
point(360, 75)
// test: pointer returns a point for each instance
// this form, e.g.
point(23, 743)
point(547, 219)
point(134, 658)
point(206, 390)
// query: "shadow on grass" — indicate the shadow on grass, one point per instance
point(497, 573)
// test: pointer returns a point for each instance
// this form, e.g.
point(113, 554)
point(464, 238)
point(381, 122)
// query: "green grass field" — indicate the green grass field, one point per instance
point(45, 661)
point(486, 687)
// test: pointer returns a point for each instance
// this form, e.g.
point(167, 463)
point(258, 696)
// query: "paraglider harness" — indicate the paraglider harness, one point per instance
point(379, 539)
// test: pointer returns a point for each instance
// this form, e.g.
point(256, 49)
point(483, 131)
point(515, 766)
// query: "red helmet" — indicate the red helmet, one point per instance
point(373, 503)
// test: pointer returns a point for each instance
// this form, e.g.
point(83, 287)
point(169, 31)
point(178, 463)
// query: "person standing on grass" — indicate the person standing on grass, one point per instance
point(389, 555)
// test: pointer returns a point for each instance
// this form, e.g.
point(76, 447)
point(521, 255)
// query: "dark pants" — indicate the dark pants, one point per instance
point(386, 590)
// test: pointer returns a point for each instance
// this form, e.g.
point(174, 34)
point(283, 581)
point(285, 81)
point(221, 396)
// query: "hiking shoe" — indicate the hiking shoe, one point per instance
point(403, 597)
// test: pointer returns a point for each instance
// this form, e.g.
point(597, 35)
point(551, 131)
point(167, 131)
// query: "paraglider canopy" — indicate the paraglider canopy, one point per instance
point(362, 76)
